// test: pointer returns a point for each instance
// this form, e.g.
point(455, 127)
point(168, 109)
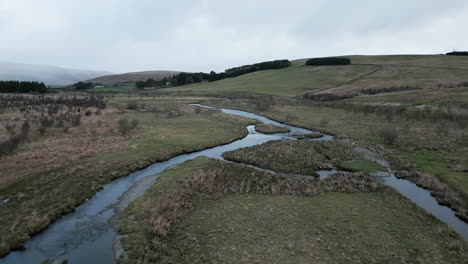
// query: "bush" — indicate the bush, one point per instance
point(125, 126)
point(323, 122)
point(140, 85)
point(324, 97)
point(328, 61)
point(389, 134)
point(83, 85)
point(134, 124)
point(76, 120)
point(132, 106)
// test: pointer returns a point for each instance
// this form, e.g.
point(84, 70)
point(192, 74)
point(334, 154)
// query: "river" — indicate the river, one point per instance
point(85, 235)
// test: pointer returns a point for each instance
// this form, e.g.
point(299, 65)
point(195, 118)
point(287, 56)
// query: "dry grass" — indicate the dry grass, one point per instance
point(271, 129)
point(94, 137)
point(299, 156)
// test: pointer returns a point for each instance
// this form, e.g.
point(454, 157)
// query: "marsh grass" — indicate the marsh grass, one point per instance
point(299, 156)
point(271, 129)
point(444, 194)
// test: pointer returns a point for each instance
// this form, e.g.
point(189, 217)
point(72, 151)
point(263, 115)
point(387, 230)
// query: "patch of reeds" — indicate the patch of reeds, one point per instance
point(271, 129)
point(300, 157)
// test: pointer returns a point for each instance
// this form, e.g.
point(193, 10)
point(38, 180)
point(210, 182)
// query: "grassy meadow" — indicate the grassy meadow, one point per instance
point(291, 81)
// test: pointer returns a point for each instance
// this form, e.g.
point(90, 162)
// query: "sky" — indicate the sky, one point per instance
point(203, 35)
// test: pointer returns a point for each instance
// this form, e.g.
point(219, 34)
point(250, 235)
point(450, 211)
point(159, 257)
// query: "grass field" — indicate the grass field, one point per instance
point(421, 71)
point(295, 80)
point(372, 227)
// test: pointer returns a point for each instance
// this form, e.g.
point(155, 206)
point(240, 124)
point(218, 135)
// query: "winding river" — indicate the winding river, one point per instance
point(85, 235)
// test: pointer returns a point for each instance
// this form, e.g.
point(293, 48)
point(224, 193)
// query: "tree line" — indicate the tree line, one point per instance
point(83, 85)
point(22, 87)
point(458, 53)
point(184, 78)
point(328, 61)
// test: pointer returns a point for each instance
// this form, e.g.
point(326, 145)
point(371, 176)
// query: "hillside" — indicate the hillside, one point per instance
point(367, 72)
point(50, 75)
point(131, 77)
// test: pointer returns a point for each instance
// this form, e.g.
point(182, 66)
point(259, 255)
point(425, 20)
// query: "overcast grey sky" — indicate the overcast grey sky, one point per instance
point(200, 35)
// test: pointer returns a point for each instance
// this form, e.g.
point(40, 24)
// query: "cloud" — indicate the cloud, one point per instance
point(202, 35)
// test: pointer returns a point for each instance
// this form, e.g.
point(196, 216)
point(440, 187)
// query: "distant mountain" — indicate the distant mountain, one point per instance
point(50, 75)
point(131, 77)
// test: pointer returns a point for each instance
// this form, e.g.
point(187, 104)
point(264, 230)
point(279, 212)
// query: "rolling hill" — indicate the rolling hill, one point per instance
point(50, 75)
point(427, 72)
point(130, 77)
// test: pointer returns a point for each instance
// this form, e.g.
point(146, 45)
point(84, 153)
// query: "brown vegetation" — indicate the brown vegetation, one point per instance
point(271, 129)
point(443, 193)
point(221, 178)
point(298, 156)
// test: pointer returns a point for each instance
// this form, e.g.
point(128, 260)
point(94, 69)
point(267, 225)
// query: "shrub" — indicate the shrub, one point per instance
point(83, 85)
point(42, 130)
point(76, 120)
point(125, 126)
point(134, 123)
point(132, 106)
point(389, 134)
point(328, 61)
point(323, 122)
point(372, 91)
point(324, 97)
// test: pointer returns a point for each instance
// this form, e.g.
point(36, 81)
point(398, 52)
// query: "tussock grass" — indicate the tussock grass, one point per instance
point(362, 165)
point(271, 129)
point(300, 156)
